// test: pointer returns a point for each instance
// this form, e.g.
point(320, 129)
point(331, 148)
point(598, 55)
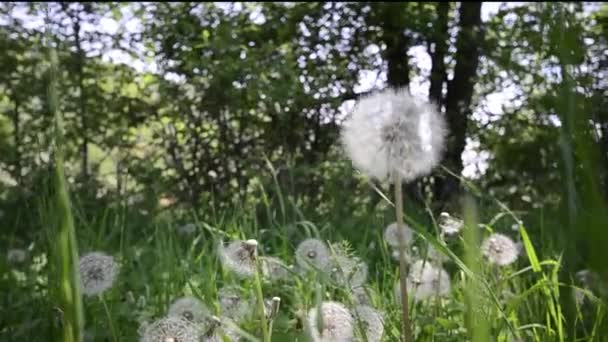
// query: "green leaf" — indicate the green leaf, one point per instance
point(529, 249)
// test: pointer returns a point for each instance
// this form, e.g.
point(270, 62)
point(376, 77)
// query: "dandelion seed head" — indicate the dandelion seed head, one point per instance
point(425, 280)
point(313, 253)
point(348, 271)
point(372, 321)
point(232, 303)
point(337, 323)
point(16, 255)
point(499, 249)
point(171, 329)
point(190, 308)
point(393, 132)
point(97, 272)
point(239, 257)
point(274, 268)
point(391, 234)
point(450, 225)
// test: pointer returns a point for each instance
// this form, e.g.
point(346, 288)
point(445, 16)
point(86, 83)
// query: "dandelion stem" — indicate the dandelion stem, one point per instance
point(260, 300)
point(112, 330)
point(406, 327)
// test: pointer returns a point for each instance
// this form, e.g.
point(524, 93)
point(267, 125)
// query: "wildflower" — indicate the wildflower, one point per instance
point(371, 321)
point(499, 249)
point(349, 271)
point(187, 229)
point(190, 308)
point(274, 268)
point(240, 257)
point(97, 272)
point(393, 132)
point(391, 234)
point(16, 255)
point(426, 280)
point(449, 225)
point(170, 329)
point(313, 253)
point(336, 323)
point(232, 304)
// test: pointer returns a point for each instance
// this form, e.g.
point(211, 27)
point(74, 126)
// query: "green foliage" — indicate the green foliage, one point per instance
point(233, 123)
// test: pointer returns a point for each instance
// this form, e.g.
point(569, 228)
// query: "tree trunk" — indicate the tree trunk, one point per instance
point(397, 44)
point(459, 95)
point(80, 57)
point(17, 140)
point(440, 47)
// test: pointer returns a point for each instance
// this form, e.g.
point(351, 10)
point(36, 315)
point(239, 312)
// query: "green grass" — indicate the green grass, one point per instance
point(158, 265)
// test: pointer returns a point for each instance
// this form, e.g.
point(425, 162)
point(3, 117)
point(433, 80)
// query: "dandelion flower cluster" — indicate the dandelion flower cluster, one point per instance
point(499, 249)
point(191, 309)
point(393, 132)
point(450, 225)
point(171, 329)
point(336, 323)
point(372, 322)
point(426, 280)
point(97, 272)
point(391, 234)
point(313, 253)
point(240, 257)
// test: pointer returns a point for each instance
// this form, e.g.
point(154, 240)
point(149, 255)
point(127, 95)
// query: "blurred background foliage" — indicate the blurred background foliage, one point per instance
point(208, 106)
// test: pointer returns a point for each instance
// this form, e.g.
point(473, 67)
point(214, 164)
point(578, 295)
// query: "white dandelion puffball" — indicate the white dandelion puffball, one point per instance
point(371, 321)
point(274, 269)
point(426, 280)
point(348, 271)
point(336, 323)
point(499, 249)
point(393, 132)
point(190, 308)
point(171, 329)
point(16, 255)
point(97, 272)
point(232, 304)
point(449, 225)
point(313, 253)
point(239, 257)
point(391, 234)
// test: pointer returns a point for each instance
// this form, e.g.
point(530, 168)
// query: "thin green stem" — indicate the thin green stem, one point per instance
point(260, 301)
point(406, 326)
point(112, 329)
